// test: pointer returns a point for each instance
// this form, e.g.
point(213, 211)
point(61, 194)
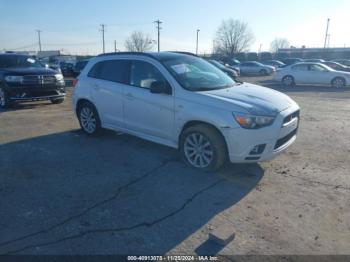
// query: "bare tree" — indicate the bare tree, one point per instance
point(233, 36)
point(139, 42)
point(278, 43)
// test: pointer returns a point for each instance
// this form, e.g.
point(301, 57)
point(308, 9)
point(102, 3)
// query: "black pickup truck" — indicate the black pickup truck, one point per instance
point(23, 78)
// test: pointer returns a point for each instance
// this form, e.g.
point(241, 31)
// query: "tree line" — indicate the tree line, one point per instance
point(232, 36)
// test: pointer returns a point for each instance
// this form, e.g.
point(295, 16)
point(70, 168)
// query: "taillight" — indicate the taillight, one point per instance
point(75, 82)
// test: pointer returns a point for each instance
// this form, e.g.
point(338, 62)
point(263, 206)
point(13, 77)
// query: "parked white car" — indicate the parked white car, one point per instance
point(312, 73)
point(255, 68)
point(184, 102)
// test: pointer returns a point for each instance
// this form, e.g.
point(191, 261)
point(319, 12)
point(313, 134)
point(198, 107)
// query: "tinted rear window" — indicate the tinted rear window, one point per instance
point(111, 70)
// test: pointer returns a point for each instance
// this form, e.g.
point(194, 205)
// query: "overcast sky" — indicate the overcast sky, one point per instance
point(74, 25)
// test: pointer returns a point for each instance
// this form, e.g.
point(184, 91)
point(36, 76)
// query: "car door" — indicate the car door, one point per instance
point(246, 68)
point(300, 72)
point(108, 79)
point(319, 74)
point(145, 112)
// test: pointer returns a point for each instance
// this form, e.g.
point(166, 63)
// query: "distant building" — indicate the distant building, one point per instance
point(324, 53)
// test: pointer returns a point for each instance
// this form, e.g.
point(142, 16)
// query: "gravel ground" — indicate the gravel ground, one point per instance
point(64, 193)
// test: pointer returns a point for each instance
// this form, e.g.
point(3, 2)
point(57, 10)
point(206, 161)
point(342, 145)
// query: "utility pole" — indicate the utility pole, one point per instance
point(39, 39)
point(103, 36)
point(327, 35)
point(158, 22)
point(115, 46)
point(197, 42)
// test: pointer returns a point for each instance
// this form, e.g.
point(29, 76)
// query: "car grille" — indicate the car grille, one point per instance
point(39, 80)
point(290, 117)
point(280, 142)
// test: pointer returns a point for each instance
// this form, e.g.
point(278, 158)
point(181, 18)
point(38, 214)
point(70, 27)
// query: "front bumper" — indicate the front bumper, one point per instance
point(35, 93)
point(266, 143)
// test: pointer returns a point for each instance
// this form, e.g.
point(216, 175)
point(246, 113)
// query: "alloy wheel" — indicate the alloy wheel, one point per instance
point(198, 150)
point(88, 120)
point(288, 81)
point(338, 83)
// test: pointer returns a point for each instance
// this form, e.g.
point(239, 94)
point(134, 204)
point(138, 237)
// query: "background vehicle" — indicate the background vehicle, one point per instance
point(22, 78)
point(232, 73)
point(274, 63)
point(67, 69)
point(345, 62)
point(312, 73)
point(290, 61)
point(336, 66)
point(232, 62)
point(79, 66)
point(185, 102)
point(252, 67)
point(314, 60)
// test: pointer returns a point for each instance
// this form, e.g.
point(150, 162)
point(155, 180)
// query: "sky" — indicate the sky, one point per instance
point(74, 26)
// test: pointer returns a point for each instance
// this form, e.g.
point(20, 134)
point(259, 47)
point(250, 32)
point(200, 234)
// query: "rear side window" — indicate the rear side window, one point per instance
point(300, 67)
point(111, 70)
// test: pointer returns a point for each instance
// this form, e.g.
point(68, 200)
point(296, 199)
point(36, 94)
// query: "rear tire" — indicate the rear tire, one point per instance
point(338, 82)
point(288, 81)
point(57, 101)
point(89, 119)
point(203, 147)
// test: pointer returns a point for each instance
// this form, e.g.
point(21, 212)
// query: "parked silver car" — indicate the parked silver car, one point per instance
point(255, 68)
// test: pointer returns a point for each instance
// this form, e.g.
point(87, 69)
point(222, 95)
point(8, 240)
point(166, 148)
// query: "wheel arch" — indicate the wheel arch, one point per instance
point(191, 123)
point(80, 102)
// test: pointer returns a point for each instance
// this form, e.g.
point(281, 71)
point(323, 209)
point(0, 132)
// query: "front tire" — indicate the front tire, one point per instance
point(338, 82)
point(203, 147)
point(4, 101)
point(89, 119)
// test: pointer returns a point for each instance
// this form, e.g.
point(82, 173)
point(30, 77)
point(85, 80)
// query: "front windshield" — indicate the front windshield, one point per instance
point(13, 61)
point(196, 74)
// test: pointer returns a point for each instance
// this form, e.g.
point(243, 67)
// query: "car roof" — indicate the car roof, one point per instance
point(160, 56)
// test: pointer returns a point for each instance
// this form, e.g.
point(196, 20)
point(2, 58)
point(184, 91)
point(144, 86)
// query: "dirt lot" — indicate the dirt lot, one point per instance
point(64, 193)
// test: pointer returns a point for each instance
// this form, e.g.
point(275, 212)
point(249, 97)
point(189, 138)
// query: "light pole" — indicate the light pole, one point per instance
point(197, 42)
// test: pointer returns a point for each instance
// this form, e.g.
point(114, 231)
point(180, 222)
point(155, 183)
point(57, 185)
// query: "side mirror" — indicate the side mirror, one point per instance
point(160, 87)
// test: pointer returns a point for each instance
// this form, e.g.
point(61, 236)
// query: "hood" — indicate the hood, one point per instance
point(30, 71)
point(255, 99)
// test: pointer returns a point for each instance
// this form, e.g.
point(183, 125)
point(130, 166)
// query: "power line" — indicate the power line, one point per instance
point(39, 38)
point(103, 36)
point(158, 22)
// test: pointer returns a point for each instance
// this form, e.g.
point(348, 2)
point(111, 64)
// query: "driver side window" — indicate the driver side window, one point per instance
point(143, 74)
point(317, 68)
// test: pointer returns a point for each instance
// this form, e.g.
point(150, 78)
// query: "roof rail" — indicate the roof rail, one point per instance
point(183, 52)
point(126, 53)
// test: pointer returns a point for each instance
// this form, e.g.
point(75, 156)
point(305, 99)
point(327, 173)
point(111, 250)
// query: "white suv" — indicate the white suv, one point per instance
point(182, 101)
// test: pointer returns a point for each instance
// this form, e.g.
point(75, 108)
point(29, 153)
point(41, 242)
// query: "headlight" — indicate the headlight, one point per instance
point(253, 122)
point(59, 77)
point(14, 79)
